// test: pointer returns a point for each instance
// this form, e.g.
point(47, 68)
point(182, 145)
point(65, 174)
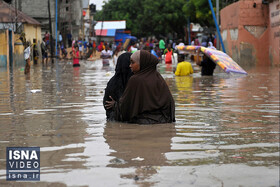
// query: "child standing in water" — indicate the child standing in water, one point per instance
point(76, 56)
point(27, 52)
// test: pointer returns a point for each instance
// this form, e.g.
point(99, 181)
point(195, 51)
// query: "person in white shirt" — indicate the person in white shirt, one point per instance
point(180, 44)
point(60, 38)
point(133, 48)
point(210, 45)
point(106, 54)
point(26, 53)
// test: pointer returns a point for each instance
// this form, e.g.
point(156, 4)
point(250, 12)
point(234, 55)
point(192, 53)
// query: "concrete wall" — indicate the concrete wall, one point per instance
point(32, 32)
point(247, 34)
point(4, 47)
point(18, 58)
point(274, 33)
point(18, 51)
point(38, 9)
point(78, 18)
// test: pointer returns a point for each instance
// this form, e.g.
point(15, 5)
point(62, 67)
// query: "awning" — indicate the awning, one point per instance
point(105, 32)
point(110, 25)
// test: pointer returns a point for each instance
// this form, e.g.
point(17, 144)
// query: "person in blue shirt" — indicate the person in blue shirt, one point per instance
point(153, 52)
point(89, 50)
point(85, 44)
point(80, 44)
point(63, 51)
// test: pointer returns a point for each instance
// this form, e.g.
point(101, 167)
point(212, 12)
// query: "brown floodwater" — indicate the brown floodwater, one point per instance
point(226, 131)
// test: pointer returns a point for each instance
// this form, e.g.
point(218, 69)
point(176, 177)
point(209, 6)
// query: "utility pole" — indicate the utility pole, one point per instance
point(70, 19)
point(100, 35)
point(83, 25)
point(50, 25)
point(16, 16)
point(55, 27)
point(189, 29)
point(218, 22)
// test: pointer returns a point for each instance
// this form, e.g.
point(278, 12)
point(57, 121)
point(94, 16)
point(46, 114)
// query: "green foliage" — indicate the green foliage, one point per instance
point(157, 17)
point(199, 12)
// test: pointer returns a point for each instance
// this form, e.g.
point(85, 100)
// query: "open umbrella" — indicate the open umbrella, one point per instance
point(219, 57)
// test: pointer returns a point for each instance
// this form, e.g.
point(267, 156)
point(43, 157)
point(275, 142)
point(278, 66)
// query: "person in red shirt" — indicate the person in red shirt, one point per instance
point(168, 53)
point(47, 37)
point(100, 46)
point(76, 56)
point(94, 48)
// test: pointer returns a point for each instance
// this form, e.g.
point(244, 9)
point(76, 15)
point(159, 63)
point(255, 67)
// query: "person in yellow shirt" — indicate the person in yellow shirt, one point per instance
point(183, 67)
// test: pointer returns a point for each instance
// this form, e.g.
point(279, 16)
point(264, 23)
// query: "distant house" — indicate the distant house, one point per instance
point(107, 30)
point(11, 48)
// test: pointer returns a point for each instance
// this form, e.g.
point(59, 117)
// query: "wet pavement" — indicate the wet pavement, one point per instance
point(226, 133)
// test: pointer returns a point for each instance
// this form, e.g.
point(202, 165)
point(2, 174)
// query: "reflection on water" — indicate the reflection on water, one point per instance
point(142, 147)
point(130, 141)
point(226, 131)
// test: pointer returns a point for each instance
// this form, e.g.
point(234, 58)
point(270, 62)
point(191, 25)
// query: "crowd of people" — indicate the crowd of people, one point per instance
point(137, 93)
point(163, 50)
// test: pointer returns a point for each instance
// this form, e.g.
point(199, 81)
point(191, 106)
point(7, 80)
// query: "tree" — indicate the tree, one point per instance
point(199, 10)
point(150, 17)
point(147, 17)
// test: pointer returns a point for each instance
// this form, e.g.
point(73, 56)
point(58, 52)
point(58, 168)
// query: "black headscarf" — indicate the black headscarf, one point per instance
point(117, 83)
point(147, 98)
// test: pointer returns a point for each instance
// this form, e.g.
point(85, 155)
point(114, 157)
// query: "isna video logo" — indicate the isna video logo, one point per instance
point(23, 163)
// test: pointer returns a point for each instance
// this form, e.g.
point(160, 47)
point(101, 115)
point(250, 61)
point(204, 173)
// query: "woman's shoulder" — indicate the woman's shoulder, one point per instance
point(111, 81)
point(134, 81)
point(147, 79)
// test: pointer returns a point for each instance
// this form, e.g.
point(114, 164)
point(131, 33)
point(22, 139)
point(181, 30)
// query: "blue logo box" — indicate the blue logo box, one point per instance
point(23, 163)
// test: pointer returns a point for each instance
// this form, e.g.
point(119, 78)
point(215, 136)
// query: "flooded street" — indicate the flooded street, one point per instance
point(226, 131)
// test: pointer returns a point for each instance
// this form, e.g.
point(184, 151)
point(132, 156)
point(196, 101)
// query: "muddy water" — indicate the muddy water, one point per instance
point(226, 133)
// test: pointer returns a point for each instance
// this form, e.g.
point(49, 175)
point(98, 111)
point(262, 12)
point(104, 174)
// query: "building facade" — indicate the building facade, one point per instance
point(69, 14)
point(11, 47)
point(251, 31)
